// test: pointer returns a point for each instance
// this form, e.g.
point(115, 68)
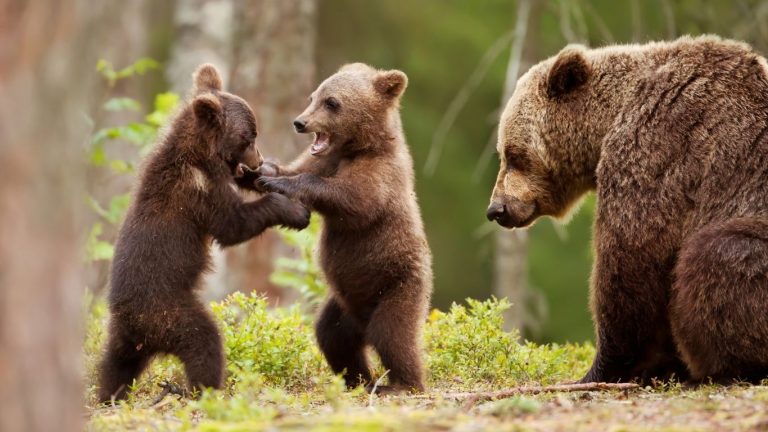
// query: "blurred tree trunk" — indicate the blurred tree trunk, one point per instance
point(47, 56)
point(203, 34)
point(511, 246)
point(267, 50)
point(274, 70)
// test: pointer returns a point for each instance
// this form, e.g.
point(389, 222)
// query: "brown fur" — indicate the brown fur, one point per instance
point(184, 199)
point(673, 136)
point(373, 249)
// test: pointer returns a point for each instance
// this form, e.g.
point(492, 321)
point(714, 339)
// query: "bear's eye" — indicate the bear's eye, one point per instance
point(332, 104)
point(247, 139)
point(515, 160)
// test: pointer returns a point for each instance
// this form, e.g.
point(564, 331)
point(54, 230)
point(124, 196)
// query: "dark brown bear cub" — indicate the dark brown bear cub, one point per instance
point(358, 174)
point(184, 200)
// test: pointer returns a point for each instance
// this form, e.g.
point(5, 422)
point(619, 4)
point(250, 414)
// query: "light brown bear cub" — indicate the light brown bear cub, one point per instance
point(358, 174)
point(673, 136)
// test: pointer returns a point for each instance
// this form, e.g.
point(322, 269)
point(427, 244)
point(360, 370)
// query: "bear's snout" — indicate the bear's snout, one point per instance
point(300, 125)
point(495, 211)
point(513, 214)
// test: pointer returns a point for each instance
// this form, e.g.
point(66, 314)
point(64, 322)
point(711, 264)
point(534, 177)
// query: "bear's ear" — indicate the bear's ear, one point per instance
point(208, 110)
point(207, 79)
point(570, 71)
point(390, 83)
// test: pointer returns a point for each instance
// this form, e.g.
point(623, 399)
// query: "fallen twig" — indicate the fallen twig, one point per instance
point(542, 389)
point(168, 388)
point(474, 397)
point(376, 386)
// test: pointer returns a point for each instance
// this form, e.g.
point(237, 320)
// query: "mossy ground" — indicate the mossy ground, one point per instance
point(277, 380)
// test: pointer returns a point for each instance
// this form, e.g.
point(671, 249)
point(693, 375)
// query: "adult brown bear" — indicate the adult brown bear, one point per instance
point(673, 136)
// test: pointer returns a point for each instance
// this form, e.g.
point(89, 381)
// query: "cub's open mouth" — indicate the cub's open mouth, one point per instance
point(321, 144)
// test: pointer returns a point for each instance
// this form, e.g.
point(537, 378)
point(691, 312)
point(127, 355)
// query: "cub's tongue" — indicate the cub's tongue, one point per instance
point(322, 141)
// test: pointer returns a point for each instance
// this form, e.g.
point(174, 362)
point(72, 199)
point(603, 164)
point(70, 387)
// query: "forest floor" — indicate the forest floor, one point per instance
point(708, 408)
point(278, 380)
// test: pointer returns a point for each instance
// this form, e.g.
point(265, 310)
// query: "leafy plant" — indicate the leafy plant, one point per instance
point(277, 344)
point(303, 272)
point(139, 134)
point(468, 345)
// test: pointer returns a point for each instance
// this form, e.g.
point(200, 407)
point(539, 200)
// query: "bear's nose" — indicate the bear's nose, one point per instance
point(299, 125)
point(495, 211)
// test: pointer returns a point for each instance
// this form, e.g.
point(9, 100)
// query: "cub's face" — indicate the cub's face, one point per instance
point(348, 105)
point(238, 145)
point(541, 168)
point(227, 120)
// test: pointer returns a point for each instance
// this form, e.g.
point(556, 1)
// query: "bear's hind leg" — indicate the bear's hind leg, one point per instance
point(123, 362)
point(395, 332)
point(197, 343)
point(719, 305)
point(343, 344)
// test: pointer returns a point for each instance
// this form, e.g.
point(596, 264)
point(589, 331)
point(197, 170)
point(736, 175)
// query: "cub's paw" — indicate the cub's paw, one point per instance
point(245, 177)
point(268, 169)
point(290, 213)
point(281, 185)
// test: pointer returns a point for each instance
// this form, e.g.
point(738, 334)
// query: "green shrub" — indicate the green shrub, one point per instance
point(468, 346)
point(276, 344)
point(301, 273)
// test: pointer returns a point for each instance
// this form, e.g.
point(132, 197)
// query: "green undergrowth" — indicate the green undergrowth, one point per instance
point(277, 380)
point(275, 369)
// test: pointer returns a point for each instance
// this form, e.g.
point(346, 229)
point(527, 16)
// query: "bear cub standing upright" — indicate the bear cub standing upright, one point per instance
point(358, 174)
point(184, 199)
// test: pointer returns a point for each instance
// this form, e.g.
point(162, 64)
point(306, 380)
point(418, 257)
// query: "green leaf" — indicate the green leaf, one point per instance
point(145, 64)
point(138, 133)
point(96, 249)
point(120, 166)
point(106, 70)
point(118, 205)
point(122, 104)
point(139, 67)
point(102, 251)
point(97, 155)
point(165, 103)
point(103, 65)
point(104, 134)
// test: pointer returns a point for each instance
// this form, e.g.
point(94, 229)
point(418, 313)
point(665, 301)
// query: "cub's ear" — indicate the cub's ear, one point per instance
point(208, 110)
point(207, 79)
point(390, 83)
point(570, 71)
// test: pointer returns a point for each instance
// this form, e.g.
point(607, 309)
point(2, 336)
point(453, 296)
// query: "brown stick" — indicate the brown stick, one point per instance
point(168, 388)
point(474, 397)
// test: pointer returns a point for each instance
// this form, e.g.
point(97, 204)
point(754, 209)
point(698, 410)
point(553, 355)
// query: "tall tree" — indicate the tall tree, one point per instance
point(47, 52)
point(511, 247)
point(267, 49)
point(274, 70)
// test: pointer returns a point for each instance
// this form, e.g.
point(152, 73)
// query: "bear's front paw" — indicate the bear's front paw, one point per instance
point(291, 214)
point(298, 217)
point(245, 178)
point(268, 169)
point(281, 185)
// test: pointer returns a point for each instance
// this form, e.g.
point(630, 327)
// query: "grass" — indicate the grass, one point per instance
point(277, 380)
